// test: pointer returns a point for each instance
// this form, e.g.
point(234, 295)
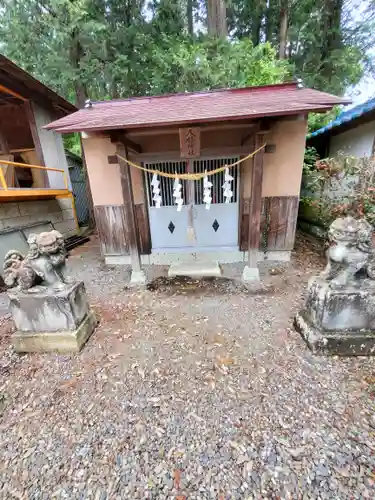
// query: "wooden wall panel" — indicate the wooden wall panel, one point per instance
point(282, 221)
point(277, 225)
point(112, 229)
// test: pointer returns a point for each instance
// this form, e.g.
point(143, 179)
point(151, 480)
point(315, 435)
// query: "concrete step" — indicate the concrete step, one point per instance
point(195, 269)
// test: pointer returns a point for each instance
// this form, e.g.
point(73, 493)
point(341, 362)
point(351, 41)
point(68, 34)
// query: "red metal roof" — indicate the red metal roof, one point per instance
point(173, 109)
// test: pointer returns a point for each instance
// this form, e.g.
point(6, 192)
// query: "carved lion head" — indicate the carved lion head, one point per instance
point(351, 232)
point(46, 243)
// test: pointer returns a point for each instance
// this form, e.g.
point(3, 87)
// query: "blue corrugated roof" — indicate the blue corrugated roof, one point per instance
point(347, 116)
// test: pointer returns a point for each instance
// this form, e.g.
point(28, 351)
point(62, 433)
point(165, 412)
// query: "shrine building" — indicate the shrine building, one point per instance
point(245, 212)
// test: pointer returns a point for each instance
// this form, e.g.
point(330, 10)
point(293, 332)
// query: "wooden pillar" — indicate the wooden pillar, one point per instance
point(7, 171)
point(255, 203)
point(37, 144)
point(4, 147)
point(137, 276)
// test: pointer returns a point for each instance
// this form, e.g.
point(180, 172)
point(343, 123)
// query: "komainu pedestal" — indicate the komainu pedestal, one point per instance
point(51, 320)
point(339, 315)
point(49, 309)
point(338, 320)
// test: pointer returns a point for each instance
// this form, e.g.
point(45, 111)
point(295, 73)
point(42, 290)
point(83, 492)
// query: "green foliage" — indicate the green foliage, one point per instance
point(335, 187)
point(117, 48)
point(326, 42)
point(72, 143)
point(319, 120)
point(215, 63)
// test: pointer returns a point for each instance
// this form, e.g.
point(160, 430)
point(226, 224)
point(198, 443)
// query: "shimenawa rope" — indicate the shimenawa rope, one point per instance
point(191, 176)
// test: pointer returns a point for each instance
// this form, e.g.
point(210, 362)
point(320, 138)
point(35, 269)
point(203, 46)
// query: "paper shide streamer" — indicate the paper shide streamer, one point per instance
point(155, 183)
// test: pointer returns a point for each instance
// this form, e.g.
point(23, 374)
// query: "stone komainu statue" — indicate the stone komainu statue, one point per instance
point(43, 265)
point(350, 254)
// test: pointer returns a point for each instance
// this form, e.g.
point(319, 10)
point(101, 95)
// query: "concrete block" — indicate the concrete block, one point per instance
point(67, 214)
point(64, 203)
point(66, 226)
point(272, 256)
point(18, 221)
point(137, 278)
point(277, 255)
point(9, 210)
point(33, 207)
point(166, 258)
point(339, 320)
point(49, 310)
point(195, 269)
point(69, 341)
point(221, 256)
point(334, 343)
point(124, 260)
point(347, 308)
point(40, 228)
point(250, 274)
point(55, 217)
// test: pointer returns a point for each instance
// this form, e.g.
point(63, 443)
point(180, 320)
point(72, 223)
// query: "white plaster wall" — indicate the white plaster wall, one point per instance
point(355, 142)
point(52, 147)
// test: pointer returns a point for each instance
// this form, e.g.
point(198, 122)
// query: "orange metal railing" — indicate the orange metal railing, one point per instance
point(3, 181)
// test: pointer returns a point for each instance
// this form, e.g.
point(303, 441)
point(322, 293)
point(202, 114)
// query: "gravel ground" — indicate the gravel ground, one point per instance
point(188, 390)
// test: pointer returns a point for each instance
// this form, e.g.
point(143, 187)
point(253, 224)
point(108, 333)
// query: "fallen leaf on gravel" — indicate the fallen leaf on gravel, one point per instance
point(225, 361)
point(177, 478)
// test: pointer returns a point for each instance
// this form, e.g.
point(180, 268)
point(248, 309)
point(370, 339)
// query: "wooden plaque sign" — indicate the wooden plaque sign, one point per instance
point(190, 142)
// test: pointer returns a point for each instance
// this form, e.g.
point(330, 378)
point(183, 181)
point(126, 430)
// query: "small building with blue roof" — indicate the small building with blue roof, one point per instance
point(352, 133)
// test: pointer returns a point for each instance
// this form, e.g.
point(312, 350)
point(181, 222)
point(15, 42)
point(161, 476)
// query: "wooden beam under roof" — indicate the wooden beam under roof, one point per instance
point(5, 89)
point(119, 136)
point(205, 127)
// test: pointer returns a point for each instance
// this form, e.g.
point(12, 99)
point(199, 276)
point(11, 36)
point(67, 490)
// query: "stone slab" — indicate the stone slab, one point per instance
point(49, 310)
point(250, 274)
point(349, 308)
point(68, 341)
point(340, 343)
point(195, 269)
point(137, 278)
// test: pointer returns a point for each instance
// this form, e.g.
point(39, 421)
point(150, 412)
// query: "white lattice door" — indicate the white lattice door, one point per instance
point(216, 227)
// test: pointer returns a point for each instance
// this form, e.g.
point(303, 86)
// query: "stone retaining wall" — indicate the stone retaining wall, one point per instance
point(59, 212)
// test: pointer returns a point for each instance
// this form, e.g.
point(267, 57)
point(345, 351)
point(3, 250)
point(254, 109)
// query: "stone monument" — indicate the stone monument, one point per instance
point(339, 315)
point(49, 309)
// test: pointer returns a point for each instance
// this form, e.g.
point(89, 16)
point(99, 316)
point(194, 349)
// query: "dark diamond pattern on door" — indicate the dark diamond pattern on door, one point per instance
point(215, 225)
point(171, 227)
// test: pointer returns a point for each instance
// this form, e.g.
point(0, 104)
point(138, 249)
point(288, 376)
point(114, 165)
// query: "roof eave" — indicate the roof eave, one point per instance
point(69, 129)
point(369, 116)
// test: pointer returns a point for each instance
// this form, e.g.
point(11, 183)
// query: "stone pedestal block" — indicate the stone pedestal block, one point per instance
point(339, 320)
point(51, 320)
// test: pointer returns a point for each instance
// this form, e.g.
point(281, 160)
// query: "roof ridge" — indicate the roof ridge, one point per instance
point(199, 92)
